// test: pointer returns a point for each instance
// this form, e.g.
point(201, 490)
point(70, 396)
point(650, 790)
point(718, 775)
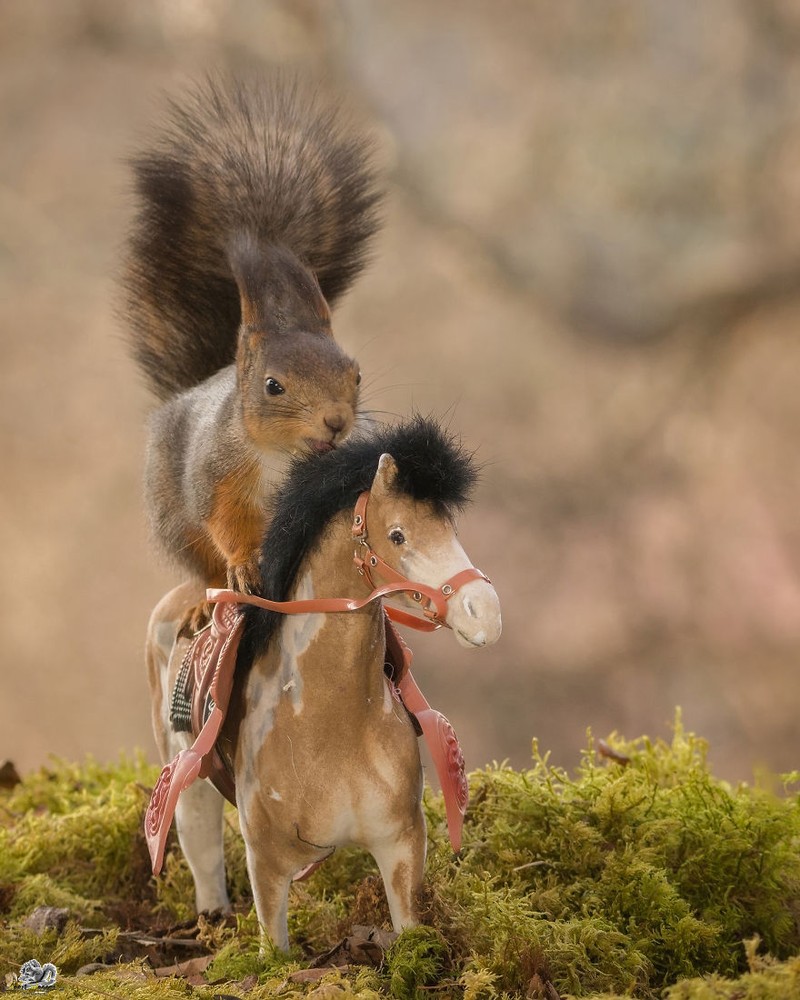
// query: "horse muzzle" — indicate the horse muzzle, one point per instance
point(473, 613)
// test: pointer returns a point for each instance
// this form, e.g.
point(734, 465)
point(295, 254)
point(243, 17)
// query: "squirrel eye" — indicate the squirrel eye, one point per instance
point(273, 387)
point(358, 379)
point(396, 536)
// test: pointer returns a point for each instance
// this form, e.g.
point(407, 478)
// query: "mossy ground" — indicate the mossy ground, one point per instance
point(646, 879)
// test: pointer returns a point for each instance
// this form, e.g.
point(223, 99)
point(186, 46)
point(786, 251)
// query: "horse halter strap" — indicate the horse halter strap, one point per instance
point(432, 600)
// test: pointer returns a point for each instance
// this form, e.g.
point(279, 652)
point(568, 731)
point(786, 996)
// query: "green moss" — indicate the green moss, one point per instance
point(625, 878)
point(766, 979)
point(640, 880)
point(81, 828)
point(242, 955)
point(68, 951)
point(416, 960)
point(129, 982)
point(42, 890)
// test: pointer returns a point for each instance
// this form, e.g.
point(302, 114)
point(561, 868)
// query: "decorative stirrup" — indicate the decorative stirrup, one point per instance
point(218, 659)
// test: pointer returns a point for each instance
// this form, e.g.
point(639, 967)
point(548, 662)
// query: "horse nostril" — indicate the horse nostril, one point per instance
point(469, 608)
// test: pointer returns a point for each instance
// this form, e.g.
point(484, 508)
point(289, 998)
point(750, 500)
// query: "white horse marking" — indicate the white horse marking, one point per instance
point(297, 634)
point(165, 636)
point(264, 693)
point(474, 615)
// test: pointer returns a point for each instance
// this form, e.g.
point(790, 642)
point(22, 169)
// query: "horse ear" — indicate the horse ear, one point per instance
point(385, 477)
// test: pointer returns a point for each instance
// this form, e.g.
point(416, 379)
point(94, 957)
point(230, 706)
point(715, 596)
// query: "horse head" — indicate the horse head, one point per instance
point(415, 540)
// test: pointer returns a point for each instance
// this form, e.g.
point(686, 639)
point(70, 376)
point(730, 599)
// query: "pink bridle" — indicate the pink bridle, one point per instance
point(434, 607)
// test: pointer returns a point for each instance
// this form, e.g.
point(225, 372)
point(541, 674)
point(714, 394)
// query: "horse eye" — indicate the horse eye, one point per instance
point(273, 387)
point(396, 536)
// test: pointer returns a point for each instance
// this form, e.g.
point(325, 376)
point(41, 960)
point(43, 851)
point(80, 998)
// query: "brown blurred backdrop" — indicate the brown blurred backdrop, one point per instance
point(591, 265)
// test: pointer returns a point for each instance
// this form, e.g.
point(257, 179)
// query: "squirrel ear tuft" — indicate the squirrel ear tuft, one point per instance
point(278, 293)
point(249, 265)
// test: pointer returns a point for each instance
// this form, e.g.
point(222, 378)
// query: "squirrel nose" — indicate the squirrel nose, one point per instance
point(336, 420)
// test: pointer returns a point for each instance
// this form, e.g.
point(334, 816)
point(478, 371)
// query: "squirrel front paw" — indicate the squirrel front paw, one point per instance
point(195, 620)
point(245, 577)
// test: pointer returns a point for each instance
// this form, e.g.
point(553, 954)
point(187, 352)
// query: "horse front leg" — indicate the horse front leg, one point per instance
point(200, 824)
point(401, 860)
point(270, 884)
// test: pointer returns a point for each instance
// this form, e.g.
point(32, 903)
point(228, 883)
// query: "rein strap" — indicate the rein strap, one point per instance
point(329, 605)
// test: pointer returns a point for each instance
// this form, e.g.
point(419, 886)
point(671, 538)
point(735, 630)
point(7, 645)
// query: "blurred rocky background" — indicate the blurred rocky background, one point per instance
point(590, 267)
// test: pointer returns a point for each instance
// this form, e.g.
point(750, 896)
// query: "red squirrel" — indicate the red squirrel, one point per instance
point(256, 207)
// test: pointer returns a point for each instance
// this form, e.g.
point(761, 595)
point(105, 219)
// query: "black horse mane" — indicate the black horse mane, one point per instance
point(432, 466)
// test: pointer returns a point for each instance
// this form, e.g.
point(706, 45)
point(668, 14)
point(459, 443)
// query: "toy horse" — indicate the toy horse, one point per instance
point(322, 750)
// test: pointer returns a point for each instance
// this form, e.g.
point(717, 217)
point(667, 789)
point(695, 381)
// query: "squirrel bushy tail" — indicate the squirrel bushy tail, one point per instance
point(240, 174)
